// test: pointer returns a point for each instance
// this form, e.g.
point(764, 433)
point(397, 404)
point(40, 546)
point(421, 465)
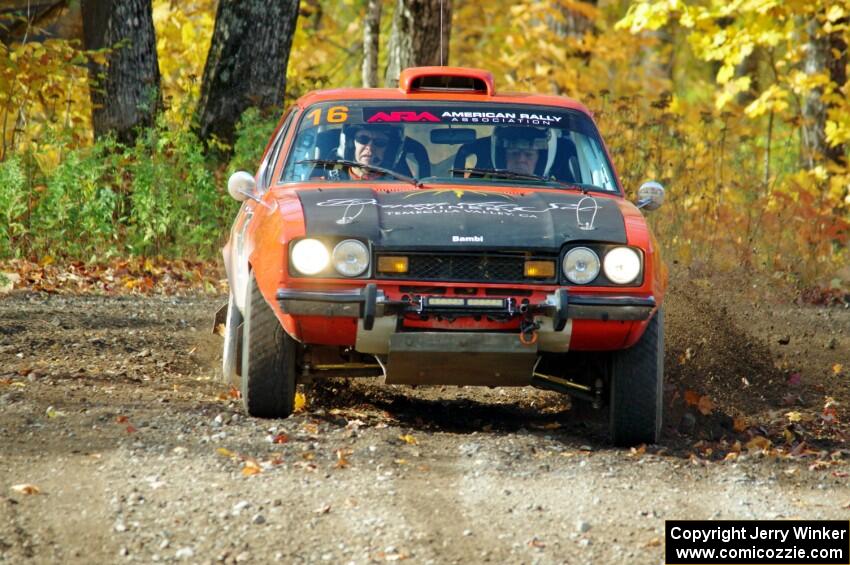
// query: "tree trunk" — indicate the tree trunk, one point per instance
point(246, 64)
point(416, 40)
point(371, 43)
point(820, 58)
point(574, 20)
point(125, 92)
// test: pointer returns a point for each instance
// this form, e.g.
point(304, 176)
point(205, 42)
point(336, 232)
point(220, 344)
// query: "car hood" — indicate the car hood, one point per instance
point(449, 218)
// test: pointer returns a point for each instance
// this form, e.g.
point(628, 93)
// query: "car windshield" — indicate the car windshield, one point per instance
point(446, 142)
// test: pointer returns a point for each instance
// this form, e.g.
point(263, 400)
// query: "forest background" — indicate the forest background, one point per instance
point(740, 108)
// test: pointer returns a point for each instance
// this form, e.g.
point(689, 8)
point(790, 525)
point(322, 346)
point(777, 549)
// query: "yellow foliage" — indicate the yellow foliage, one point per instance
point(43, 88)
point(183, 34)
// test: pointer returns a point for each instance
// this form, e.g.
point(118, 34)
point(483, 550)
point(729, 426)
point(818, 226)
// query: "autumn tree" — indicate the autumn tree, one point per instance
point(246, 64)
point(825, 57)
point(371, 43)
point(420, 36)
point(125, 91)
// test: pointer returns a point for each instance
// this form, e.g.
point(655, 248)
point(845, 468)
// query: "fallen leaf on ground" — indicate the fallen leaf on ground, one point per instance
point(341, 458)
point(705, 405)
point(280, 438)
point(26, 488)
point(758, 442)
point(251, 468)
point(408, 439)
point(837, 368)
point(224, 451)
point(654, 542)
point(131, 430)
point(819, 465)
point(547, 426)
point(692, 398)
point(739, 424)
point(121, 419)
point(322, 509)
point(300, 402)
point(794, 416)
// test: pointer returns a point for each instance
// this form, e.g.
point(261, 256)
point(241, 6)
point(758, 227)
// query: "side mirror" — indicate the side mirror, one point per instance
point(650, 195)
point(241, 186)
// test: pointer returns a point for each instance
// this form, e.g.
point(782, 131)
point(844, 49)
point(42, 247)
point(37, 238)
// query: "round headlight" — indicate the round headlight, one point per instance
point(622, 265)
point(310, 256)
point(351, 258)
point(581, 265)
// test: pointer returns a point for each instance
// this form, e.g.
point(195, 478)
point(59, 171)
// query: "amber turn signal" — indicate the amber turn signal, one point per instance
point(392, 264)
point(540, 269)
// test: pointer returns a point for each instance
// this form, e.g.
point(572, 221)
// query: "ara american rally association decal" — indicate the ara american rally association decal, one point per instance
point(428, 218)
point(453, 115)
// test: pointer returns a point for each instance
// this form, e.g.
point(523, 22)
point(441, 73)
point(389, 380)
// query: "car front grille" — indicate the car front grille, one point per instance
point(467, 267)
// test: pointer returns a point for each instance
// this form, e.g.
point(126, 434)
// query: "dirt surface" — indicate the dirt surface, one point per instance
point(110, 407)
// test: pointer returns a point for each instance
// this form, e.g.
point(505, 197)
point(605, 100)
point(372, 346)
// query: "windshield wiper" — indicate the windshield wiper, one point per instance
point(508, 174)
point(347, 163)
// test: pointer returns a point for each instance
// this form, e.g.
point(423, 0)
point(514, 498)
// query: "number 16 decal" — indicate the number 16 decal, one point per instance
point(335, 115)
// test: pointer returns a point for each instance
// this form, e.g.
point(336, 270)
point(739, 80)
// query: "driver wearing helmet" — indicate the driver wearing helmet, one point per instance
point(519, 149)
point(371, 144)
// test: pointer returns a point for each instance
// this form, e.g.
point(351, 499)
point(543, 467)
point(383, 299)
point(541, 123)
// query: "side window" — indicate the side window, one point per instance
point(264, 174)
point(592, 162)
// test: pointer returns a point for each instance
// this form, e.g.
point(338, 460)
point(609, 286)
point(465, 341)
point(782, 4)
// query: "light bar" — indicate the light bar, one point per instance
point(485, 302)
point(452, 302)
point(439, 301)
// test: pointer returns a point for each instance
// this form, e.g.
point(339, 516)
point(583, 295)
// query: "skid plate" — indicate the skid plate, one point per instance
point(441, 358)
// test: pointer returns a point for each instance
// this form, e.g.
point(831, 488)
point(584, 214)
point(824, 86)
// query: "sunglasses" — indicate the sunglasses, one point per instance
point(365, 139)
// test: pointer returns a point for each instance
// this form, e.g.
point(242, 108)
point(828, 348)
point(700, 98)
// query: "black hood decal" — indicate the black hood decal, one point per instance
point(444, 218)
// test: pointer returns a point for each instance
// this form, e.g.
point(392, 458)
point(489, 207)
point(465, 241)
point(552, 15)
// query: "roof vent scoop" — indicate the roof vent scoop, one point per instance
point(446, 79)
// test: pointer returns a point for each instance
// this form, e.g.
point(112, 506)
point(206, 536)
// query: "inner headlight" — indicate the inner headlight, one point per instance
point(310, 256)
point(351, 258)
point(581, 265)
point(622, 265)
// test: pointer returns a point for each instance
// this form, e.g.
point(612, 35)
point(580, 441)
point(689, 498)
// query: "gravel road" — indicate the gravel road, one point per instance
point(110, 408)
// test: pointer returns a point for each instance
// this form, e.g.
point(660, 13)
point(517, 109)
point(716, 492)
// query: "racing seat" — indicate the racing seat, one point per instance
point(565, 166)
point(480, 149)
point(414, 149)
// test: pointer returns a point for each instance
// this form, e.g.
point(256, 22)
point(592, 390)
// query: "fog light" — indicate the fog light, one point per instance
point(392, 264)
point(540, 269)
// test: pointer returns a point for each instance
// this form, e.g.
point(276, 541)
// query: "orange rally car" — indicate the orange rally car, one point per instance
point(441, 233)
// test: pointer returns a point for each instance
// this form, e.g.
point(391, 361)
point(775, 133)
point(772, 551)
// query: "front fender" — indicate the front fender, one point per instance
point(277, 220)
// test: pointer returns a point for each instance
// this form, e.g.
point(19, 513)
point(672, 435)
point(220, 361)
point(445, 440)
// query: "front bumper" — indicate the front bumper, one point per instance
point(369, 303)
point(497, 340)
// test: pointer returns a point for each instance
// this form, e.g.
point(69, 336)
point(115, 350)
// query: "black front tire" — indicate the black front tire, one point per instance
point(637, 388)
point(269, 361)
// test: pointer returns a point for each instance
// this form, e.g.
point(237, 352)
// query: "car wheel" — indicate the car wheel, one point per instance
point(268, 360)
point(637, 388)
point(230, 352)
